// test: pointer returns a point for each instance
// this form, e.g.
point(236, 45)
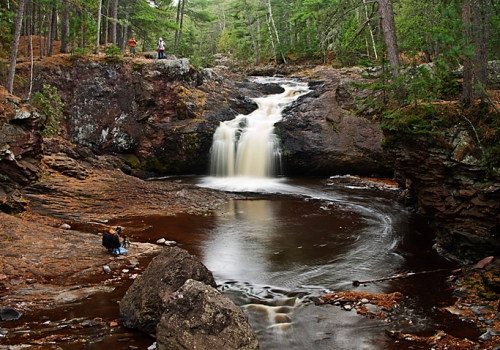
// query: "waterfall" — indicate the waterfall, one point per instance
point(247, 145)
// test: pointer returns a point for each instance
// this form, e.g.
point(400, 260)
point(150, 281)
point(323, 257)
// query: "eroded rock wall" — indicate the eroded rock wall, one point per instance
point(161, 116)
point(158, 114)
point(445, 178)
point(20, 150)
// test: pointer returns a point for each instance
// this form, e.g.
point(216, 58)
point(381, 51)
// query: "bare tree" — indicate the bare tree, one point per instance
point(180, 22)
point(114, 17)
point(467, 88)
point(99, 10)
point(252, 35)
point(475, 20)
point(17, 34)
point(65, 27)
point(386, 15)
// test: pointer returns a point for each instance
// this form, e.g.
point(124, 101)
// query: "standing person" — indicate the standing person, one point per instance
point(132, 43)
point(160, 44)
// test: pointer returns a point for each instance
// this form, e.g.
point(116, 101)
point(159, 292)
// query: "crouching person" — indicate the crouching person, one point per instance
point(111, 241)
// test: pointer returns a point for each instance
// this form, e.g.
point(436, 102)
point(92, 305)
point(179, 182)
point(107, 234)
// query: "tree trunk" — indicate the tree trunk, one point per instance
point(386, 15)
point(99, 10)
point(55, 32)
point(467, 85)
point(125, 28)
point(252, 36)
point(13, 57)
point(52, 29)
point(65, 27)
point(178, 21)
point(275, 30)
point(481, 26)
point(181, 23)
point(371, 30)
point(114, 17)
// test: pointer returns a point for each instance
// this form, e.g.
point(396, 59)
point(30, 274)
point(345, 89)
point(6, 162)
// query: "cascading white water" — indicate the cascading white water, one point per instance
point(247, 145)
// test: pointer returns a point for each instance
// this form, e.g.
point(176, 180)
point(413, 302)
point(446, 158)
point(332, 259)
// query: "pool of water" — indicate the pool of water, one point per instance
point(273, 255)
point(296, 239)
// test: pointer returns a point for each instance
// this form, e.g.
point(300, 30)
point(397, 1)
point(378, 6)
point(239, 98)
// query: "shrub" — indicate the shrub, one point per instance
point(48, 101)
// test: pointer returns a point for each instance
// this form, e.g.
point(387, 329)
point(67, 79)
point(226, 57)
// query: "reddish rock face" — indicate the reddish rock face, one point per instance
point(454, 191)
point(20, 150)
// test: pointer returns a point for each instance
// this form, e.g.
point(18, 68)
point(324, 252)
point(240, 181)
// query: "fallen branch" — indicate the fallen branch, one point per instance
point(399, 276)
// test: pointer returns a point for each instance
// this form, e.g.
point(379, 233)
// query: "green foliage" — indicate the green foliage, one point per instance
point(113, 53)
point(6, 29)
point(491, 159)
point(419, 84)
point(48, 101)
point(423, 120)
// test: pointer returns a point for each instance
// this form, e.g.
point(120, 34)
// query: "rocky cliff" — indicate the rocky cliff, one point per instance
point(160, 116)
point(445, 177)
point(20, 150)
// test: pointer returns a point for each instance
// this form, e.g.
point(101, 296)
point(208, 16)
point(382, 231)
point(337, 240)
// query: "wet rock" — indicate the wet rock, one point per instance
point(106, 269)
point(347, 307)
point(485, 336)
point(319, 132)
point(8, 313)
point(144, 302)
point(161, 241)
point(197, 316)
point(478, 310)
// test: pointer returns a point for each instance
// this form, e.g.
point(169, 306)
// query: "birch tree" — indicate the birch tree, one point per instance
point(17, 34)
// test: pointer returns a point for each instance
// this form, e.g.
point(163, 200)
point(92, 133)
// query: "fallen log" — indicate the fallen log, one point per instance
point(356, 283)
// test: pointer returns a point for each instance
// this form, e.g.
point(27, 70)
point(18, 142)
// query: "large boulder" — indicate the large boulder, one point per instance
point(145, 301)
point(197, 316)
point(322, 135)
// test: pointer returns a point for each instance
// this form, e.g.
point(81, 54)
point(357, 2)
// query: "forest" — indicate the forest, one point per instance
point(448, 33)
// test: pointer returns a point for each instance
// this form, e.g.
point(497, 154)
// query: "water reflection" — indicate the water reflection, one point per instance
point(271, 256)
point(292, 244)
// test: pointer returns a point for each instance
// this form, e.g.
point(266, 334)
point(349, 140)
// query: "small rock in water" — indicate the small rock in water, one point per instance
point(485, 336)
point(106, 269)
point(347, 307)
point(7, 313)
point(65, 227)
point(152, 347)
point(365, 301)
point(161, 241)
point(125, 270)
point(170, 243)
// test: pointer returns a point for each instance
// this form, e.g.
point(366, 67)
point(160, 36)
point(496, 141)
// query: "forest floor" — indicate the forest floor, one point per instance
point(45, 265)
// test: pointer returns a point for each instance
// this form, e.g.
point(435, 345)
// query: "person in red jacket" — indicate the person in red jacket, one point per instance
point(132, 43)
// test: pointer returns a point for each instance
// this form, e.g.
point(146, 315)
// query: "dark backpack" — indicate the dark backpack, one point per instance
point(110, 241)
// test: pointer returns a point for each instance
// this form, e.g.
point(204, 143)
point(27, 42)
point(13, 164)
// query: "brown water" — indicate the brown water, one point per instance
point(266, 253)
point(271, 256)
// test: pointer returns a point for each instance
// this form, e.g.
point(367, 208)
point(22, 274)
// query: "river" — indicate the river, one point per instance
point(266, 253)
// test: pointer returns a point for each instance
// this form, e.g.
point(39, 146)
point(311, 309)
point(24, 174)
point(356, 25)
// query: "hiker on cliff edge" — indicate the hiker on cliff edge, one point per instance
point(132, 43)
point(160, 44)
